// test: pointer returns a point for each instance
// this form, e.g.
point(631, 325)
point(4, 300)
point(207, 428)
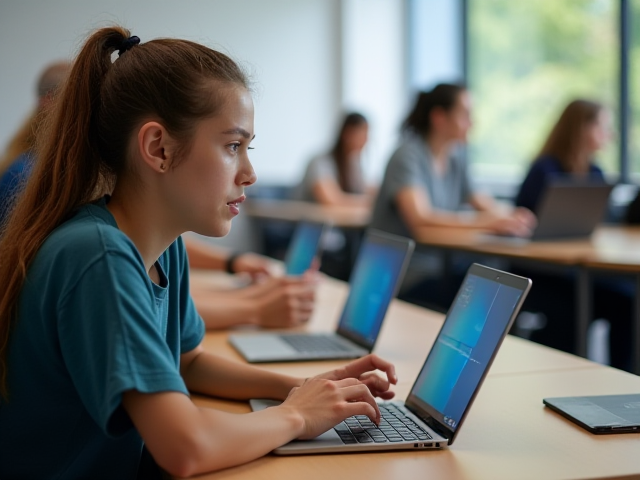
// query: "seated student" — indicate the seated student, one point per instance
point(582, 130)
point(17, 160)
point(426, 183)
point(275, 302)
point(336, 178)
point(100, 343)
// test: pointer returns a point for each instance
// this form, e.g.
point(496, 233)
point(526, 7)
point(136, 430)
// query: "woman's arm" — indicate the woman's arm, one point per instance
point(185, 439)
point(416, 210)
point(206, 256)
point(274, 303)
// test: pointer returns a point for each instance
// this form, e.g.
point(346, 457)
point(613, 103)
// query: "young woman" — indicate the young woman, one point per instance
point(273, 302)
point(582, 130)
point(337, 177)
point(100, 343)
point(426, 182)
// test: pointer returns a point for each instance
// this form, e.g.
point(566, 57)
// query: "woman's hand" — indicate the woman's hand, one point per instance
point(325, 400)
point(286, 302)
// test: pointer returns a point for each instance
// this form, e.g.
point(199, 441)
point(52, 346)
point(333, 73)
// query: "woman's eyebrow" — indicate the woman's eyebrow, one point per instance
point(239, 130)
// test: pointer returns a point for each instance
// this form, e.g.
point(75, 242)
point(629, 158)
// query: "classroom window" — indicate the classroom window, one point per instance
point(525, 61)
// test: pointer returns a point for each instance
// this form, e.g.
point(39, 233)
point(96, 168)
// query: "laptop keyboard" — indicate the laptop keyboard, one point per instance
point(314, 343)
point(395, 426)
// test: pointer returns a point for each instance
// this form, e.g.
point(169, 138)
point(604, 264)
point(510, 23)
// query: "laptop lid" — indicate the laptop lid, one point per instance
point(304, 248)
point(480, 316)
point(570, 209)
point(376, 276)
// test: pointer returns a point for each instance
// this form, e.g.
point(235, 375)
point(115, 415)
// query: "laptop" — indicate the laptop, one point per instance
point(376, 276)
point(571, 209)
point(305, 247)
point(567, 210)
point(484, 309)
point(603, 414)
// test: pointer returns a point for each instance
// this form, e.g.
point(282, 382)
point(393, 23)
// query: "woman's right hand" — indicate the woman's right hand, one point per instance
point(520, 222)
point(321, 404)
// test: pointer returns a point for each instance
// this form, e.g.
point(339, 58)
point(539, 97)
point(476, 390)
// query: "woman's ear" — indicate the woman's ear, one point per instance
point(154, 145)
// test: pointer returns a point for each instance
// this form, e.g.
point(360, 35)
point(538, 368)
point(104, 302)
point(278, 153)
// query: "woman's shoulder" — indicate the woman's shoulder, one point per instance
point(91, 233)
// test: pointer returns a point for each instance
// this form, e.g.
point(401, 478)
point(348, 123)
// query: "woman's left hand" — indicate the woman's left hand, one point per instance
point(364, 370)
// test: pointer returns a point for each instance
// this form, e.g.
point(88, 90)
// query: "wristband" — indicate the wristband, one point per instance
point(228, 265)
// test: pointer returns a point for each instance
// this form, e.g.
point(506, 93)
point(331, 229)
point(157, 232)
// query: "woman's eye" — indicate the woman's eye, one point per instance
point(234, 147)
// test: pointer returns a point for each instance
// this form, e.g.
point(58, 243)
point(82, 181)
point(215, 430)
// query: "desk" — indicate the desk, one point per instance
point(508, 434)
point(610, 248)
point(295, 211)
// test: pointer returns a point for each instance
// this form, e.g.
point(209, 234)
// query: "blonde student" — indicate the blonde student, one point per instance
point(100, 343)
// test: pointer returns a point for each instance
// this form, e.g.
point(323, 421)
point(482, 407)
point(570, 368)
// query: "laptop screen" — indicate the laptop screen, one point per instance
point(377, 272)
point(476, 323)
point(303, 248)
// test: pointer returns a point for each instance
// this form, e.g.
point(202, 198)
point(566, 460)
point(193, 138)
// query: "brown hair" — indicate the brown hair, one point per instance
point(25, 138)
point(565, 137)
point(84, 147)
point(442, 96)
point(347, 176)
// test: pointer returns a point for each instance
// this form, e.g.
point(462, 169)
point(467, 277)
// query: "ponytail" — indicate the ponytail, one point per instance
point(442, 96)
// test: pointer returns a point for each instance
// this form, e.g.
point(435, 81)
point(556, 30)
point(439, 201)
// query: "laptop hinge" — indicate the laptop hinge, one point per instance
point(432, 423)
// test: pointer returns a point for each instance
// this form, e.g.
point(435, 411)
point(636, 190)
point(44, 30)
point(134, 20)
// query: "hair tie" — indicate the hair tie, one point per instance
point(127, 44)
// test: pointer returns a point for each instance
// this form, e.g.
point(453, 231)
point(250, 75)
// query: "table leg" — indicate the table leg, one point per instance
point(583, 309)
point(635, 326)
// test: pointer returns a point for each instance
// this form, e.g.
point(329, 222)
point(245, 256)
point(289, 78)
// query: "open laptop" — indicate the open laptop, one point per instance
point(479, 318)
point(567, 210)
point(602, 414)
point(377, 274)
point(571, 209)
point(305, 247)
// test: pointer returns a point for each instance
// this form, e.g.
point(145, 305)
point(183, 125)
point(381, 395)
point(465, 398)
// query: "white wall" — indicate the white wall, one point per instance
point(290, 46)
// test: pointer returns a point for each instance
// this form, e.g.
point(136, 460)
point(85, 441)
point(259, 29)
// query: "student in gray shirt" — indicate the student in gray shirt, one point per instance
point(426, 182)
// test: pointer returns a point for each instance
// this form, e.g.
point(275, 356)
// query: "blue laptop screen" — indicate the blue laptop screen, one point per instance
point(303, 248)
point(461, 353)
point(372, 286)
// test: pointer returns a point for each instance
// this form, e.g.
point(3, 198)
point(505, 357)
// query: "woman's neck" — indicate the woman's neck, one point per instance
point(440, 148)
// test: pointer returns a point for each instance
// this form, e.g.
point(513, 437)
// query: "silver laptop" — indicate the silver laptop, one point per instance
point(571, 209)
point(479, 318)
point(376, 276)
point(305, 247)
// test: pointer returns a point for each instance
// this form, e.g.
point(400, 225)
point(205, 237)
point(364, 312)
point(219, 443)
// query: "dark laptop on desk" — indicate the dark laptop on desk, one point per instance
point(567, 210)
point(376, 276)
point(432, 415)
point(571, 209)
point(602, 414)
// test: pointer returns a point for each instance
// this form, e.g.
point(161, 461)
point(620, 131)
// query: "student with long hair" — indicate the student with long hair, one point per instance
point(100, 343)
point(581, 131)
point(337, 178)
point(270, 301)
point(568, 154)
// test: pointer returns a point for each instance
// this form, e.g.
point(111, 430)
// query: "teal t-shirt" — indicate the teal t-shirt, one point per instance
point(91, 325)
